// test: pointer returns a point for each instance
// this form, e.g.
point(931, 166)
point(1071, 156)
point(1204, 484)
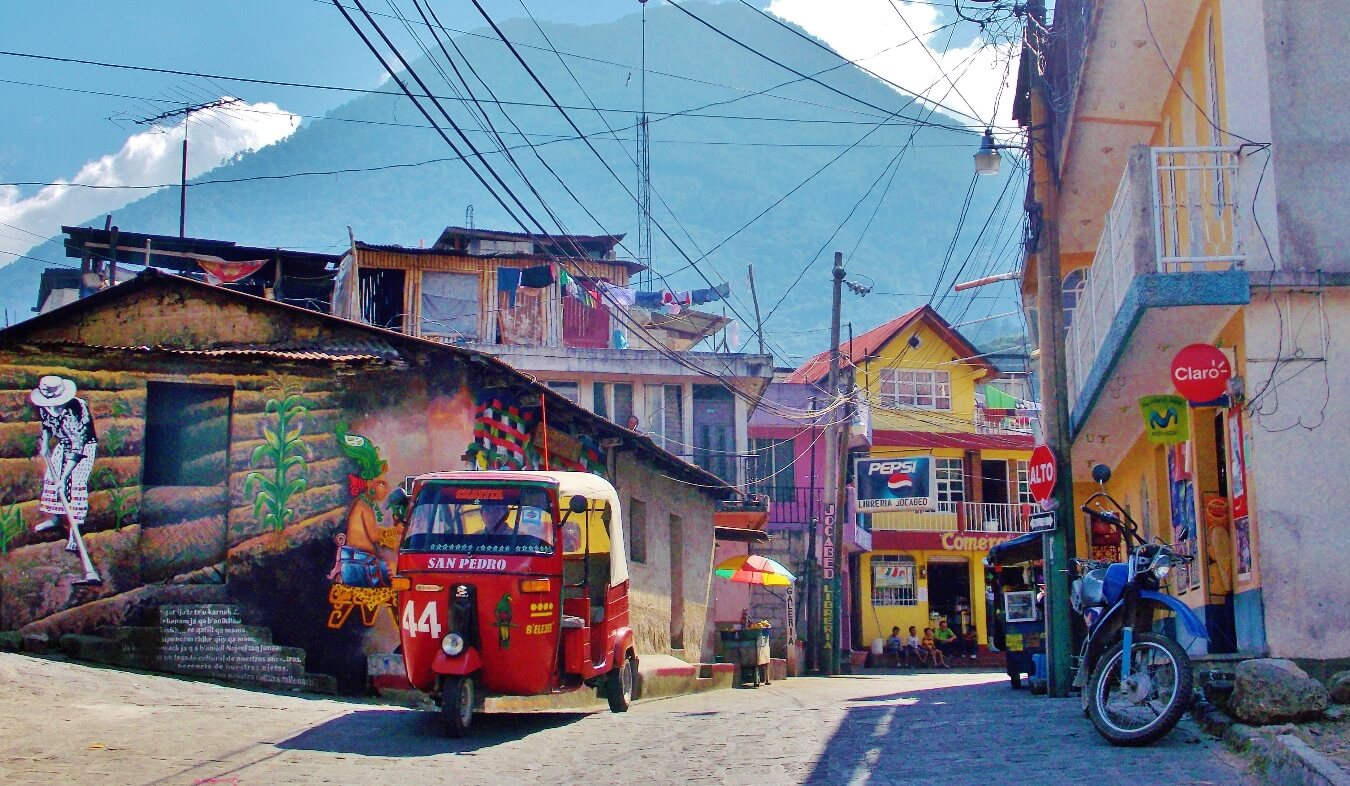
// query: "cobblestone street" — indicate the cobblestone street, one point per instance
point(73, 724)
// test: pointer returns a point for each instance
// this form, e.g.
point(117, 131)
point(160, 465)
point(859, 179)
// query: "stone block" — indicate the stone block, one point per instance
point(1339, 687)
point(1273, 690)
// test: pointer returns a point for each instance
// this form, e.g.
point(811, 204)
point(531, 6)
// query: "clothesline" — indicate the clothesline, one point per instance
point(510, 279)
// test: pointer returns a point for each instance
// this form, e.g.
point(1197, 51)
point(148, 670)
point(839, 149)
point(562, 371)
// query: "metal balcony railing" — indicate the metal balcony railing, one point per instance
point(791, 504)
point(954, 516)
point(1174, 212)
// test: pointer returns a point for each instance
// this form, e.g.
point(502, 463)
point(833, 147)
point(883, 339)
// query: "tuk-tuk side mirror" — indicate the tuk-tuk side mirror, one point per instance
point(1101, 473)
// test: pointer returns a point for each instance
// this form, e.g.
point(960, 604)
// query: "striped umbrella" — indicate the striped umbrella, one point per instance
point(754, 569)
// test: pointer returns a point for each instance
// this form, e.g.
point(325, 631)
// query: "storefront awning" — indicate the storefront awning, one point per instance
point(1023, 548)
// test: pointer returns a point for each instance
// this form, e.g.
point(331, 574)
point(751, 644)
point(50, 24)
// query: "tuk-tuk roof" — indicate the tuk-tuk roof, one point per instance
point(1023, 548)
point(569, 484)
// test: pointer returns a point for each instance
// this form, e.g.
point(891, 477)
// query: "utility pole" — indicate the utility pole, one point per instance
point(754, 298)
point(1059, 545)
point(187, 113)
point(834, 463)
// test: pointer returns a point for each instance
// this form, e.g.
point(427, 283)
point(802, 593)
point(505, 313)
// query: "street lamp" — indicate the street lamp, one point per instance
point(987, 158)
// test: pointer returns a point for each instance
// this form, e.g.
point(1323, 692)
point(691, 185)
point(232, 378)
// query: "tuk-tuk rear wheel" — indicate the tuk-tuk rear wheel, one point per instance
point(457, 705)
point(619, 685)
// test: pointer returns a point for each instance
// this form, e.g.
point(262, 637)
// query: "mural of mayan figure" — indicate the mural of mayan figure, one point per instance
point(67, 446)
point(363, 560)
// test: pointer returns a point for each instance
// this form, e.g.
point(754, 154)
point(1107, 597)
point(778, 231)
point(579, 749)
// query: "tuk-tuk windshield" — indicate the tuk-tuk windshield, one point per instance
point(480, 520)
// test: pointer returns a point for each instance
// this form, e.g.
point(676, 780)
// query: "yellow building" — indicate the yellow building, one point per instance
point(1191, 185)
point(927, 398)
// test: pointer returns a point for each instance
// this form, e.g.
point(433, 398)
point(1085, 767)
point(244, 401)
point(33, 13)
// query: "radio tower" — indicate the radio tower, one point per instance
point(644, 166)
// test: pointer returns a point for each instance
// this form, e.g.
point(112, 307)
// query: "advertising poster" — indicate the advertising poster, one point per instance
point(900, 483)
point(1166, 419)
point(892, 576)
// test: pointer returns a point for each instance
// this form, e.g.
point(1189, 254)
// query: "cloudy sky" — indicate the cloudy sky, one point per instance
point(73, 123)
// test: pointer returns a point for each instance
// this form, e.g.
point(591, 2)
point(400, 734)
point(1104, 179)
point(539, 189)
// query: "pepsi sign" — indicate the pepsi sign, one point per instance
point(902, 483)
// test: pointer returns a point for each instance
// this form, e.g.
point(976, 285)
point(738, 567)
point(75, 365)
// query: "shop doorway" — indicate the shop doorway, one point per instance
point(949, 591)
point(1218, 528)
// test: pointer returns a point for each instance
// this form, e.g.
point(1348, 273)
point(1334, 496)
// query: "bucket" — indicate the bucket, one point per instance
point(878, 646)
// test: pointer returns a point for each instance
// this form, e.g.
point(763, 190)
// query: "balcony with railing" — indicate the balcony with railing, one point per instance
point(1175, 213)
point(956, 516)
point(792, 504)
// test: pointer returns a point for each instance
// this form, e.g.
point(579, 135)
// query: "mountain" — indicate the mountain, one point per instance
point(715, 172)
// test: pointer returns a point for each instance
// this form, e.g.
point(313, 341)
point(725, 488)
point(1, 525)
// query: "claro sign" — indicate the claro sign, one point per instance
point(1201, 372)
point(900, 483)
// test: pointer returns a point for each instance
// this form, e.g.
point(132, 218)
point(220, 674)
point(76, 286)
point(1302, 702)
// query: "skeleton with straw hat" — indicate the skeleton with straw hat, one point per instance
point(68, 446)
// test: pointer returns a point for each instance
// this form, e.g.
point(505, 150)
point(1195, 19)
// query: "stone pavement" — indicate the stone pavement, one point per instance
point(67, 723)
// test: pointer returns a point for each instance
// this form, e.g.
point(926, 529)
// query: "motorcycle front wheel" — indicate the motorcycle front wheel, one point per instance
point(1141, 709)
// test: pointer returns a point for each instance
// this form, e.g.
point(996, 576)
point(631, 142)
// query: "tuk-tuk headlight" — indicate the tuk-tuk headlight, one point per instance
point(452, 644)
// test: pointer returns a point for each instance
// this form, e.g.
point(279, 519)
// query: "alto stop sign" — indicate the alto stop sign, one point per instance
point(1201, 372)
point(1041, 473)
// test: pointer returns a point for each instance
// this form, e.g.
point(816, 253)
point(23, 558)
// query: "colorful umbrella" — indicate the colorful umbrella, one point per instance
point(754, 569)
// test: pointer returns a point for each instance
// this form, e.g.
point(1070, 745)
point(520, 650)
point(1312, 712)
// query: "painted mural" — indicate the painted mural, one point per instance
point(367, 550)
point(67, 446)
point(283, 453)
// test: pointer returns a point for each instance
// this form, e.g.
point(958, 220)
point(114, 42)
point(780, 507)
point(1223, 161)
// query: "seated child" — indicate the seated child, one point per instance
point(929, 644)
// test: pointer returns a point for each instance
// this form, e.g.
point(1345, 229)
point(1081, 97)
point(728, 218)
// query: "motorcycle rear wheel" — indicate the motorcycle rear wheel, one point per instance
point(1147, 706)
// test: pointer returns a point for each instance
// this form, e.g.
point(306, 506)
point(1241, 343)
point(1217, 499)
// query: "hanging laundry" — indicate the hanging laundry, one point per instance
point(218, 271)
point(719, 292)
point(583, 295)
point(537, 277)
point(619, 296)
point(647, 299)
point(685, 298)
point(508, 281)
point(671, 308)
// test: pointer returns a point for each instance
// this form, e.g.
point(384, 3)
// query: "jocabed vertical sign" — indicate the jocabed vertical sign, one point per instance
point(827, 592)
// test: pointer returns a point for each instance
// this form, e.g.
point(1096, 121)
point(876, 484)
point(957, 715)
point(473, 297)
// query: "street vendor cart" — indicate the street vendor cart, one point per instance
point(1018, 628)
point(749, 650)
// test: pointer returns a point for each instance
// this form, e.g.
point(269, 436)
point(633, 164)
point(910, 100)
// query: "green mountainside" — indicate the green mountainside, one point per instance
point(715, 173)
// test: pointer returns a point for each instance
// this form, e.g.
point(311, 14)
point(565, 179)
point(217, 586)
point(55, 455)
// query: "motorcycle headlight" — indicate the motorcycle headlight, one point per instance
point(452, 644)
point(1161, 569)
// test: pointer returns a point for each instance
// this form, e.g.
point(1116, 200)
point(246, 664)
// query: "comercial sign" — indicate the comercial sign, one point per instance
point(1166, 419)
point(1201, 372)
point(901, 483)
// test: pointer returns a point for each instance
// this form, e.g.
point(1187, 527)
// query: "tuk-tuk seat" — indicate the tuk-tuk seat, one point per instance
point(570, 622)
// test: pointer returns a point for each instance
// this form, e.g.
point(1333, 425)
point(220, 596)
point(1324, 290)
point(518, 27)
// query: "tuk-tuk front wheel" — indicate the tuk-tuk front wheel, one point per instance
point(619, 685)
point(457, 705)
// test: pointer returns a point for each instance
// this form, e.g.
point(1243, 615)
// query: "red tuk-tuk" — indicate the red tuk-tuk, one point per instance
point(514, 584)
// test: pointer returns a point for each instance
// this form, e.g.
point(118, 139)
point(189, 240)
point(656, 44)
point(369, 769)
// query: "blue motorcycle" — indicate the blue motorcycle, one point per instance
point(1132, 699)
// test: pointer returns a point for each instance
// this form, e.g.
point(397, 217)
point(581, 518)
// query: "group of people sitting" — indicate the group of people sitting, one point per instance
point(934, 648)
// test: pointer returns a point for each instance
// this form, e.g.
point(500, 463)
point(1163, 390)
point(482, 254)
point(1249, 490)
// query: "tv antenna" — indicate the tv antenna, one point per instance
point(644, 165)
point(186, 112)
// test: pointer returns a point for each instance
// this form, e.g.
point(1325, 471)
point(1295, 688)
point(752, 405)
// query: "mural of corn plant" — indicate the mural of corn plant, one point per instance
point(280, 473)
point(119, 496)
point(11, 524)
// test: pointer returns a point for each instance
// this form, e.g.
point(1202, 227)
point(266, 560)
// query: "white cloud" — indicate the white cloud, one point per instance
point(150, 157)
point(858, 29)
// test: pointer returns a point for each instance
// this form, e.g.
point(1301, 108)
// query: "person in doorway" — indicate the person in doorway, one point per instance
point(633, 423)
point(947, 640)
point(929, 645)
point(970, 641)
point(67, 445)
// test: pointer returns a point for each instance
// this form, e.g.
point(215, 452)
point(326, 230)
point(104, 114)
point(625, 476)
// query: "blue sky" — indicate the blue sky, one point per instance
point(50, 133)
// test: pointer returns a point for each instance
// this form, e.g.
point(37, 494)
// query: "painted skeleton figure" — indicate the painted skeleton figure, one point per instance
point(68, 446)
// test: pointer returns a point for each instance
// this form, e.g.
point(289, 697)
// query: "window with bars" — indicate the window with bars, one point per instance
point(916, 388)
point(893, 580)
point(1024, 483)
point(950, 483)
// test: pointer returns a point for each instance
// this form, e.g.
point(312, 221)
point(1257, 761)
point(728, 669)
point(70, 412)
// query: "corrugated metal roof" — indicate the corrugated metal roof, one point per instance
point(316, 353)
